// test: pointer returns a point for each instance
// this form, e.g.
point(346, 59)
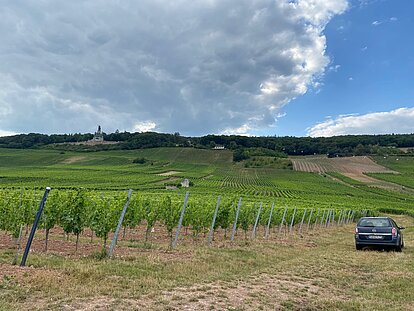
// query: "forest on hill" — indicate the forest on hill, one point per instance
point(244, 146)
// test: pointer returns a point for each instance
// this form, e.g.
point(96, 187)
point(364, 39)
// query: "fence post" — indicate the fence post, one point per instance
point(210, 236)
point(18, 243)
point(309, 220)
point(257, 220)
point(283, 219)
point(327, 218)
point(180, 221)
point(344, 214)
point(268, 222)
point(349, 217)
point(316, 219)
point(301, 223)
point(322, 218)
point(353, 216)
point(121, 219)
point(341, 217)
point(293, 220)
point(331, 220)
point(235, 221)
point(35, 223)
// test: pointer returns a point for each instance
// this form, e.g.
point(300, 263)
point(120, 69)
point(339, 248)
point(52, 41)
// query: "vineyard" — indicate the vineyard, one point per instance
point(404, 165)
point(234, 222)
point(93, 186)
point(93, 214)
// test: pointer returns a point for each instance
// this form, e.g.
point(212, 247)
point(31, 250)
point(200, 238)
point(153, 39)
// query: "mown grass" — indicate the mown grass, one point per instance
point(324, 262)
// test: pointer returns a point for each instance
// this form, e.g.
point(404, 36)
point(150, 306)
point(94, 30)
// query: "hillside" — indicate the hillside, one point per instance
point(211, 172)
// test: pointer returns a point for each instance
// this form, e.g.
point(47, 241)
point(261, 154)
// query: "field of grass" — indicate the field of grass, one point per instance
point(402, 164)
point(318, 271)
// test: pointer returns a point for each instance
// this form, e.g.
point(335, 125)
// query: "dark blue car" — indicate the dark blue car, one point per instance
point(381, 232)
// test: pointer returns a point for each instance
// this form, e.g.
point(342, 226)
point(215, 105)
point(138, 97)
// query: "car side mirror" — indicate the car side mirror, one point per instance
point(401, 228)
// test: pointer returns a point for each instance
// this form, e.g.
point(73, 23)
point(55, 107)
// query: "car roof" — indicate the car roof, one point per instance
point(383, 217)
point(379, 218)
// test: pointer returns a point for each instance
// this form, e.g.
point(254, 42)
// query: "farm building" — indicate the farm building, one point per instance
point(185, 183)
point(219, 147)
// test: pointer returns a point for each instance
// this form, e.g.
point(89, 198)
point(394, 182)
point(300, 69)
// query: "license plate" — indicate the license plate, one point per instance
point(375, 237)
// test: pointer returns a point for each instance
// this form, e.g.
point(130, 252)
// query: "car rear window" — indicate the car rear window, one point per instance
point(374, 222)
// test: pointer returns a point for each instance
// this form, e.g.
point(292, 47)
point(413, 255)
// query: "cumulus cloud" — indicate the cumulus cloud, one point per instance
point(145, 126)
point(190, 66)
point(399, 121)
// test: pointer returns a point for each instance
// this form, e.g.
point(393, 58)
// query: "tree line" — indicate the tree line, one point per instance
point(242, 145)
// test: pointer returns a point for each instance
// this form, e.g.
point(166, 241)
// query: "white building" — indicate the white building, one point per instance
point(218, 147)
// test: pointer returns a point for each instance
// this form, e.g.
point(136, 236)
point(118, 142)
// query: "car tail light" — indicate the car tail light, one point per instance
point(356, 230)
point(394, 232)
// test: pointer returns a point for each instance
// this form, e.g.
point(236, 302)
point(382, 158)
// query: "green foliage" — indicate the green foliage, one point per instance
point(74, 216)
point(246, 217)
point(404, 165)
point(272, 162)
point(140, 161)
point(52, 211)
point(151, 215)
point(135, 213)
point(239, 155)
point(103, 217)
point(170, 213)
point(224, 215)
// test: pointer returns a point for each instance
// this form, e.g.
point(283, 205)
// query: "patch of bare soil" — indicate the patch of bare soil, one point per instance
point(74, 159)
point(169, 173)
point(350, 165)
point(260, 292)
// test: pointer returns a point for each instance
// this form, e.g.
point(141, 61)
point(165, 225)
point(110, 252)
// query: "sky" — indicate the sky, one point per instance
point(248, 67)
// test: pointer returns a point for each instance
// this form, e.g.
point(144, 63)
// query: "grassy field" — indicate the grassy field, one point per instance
point(317, 271)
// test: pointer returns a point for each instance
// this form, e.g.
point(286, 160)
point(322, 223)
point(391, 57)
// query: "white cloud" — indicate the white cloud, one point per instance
point(391, 19)
point(400, 121)
point(242, 130)
point(145, 126)
point(190, 66)
point(7, 133)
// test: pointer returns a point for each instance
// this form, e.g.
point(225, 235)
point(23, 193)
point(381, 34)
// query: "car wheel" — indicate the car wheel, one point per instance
point(398, 248)
point(358, 247)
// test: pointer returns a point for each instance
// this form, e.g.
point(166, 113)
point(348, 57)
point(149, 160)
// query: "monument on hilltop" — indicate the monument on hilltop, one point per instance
point(98, 137)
